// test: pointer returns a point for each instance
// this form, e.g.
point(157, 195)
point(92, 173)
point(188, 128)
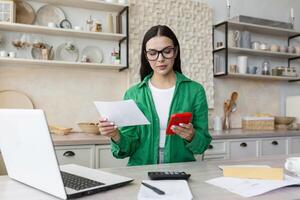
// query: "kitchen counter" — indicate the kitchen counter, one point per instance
point(240, 133)
point(91, 139)
point(201, 172)
point(79, 138)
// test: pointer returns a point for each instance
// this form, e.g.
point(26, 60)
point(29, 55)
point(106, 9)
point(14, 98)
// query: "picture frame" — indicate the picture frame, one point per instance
point(7, 11)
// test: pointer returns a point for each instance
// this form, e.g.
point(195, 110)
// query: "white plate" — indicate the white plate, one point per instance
point(93, 53)
point(49, 13)
point(63, 53)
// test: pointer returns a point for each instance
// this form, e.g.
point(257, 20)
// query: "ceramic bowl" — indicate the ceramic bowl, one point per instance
point(284, 120)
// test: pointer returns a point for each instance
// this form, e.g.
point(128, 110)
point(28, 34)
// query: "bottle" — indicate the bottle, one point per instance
point(110, 26)
point(89, 23)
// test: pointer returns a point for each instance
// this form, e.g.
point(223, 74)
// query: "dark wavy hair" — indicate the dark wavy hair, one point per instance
point(159, 30)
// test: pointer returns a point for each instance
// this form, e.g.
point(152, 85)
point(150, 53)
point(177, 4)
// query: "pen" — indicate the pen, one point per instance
point(155, 189)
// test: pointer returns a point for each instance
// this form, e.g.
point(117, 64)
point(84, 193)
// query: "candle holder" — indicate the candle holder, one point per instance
point(228, 12)
point(292, 19)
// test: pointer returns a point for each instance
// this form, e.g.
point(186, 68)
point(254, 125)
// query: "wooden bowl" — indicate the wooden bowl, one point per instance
point(284, 120)
point(89, 127)
point(59, 130)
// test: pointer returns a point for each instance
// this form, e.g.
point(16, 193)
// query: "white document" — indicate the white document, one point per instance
point(122, 113)
point(174, 189)
point(252, 187)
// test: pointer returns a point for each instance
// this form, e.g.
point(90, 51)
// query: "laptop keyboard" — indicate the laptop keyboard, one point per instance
point(77, 182)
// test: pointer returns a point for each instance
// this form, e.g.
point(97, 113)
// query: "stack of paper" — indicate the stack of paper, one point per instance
point(249, 187)
point(174, 189)
point(252, 187)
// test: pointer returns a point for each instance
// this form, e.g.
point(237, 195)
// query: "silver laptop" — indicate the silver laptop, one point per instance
point(29, 156)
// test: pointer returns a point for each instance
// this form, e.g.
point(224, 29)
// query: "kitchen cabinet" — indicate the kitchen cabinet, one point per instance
point(100, 156)
point(226, 54)
point(79, 154)
point(246, 148)
point(294, 145)
point(94, 156)
point(111, 40)
point(251, 148)
point(105, 159)
point(217, 150)
point(274, 146)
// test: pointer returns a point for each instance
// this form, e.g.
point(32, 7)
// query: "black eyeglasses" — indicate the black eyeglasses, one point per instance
point(167, 53)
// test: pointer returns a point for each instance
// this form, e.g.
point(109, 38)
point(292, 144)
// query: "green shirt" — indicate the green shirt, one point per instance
point(141, 143)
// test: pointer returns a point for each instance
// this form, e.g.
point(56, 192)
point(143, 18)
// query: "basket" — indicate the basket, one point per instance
point(89, 127)
point(59, 130)
point(258, 123)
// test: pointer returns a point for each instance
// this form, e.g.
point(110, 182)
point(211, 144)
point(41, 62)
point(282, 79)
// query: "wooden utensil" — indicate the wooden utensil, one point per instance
point(232, 103)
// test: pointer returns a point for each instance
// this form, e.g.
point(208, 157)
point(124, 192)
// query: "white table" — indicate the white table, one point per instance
point(201, 171)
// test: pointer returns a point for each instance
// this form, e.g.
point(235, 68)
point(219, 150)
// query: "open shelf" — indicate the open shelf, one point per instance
point(56, 63)
point(260, 28)
point(258, 52)
point(87, 4)
point(4, 26)
point(262, 77)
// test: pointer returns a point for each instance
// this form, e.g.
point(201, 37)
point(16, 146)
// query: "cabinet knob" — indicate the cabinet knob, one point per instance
point(243, 144)
point(69, 154)
point(274, 142)
point(210, 146)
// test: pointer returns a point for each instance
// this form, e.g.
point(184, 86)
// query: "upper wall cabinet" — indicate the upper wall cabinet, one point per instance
point(65, 33)
point(244, 50)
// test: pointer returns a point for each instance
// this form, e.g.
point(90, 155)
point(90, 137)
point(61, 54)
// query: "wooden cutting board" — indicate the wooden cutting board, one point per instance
point(292, 107)
point(15, 99)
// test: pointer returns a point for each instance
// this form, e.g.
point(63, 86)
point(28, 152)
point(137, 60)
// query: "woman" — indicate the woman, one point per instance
point(163, 91)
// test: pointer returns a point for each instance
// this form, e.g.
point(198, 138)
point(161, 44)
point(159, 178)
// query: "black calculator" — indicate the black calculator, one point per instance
point(168, 175)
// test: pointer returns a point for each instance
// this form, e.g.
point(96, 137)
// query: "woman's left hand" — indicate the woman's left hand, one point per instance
point(185, 131)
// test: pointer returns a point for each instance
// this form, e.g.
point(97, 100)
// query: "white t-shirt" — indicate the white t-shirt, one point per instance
point(162, 100)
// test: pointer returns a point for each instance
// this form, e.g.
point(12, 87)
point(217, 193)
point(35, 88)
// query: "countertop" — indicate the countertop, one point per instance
point(78, 138)
point(200, 171)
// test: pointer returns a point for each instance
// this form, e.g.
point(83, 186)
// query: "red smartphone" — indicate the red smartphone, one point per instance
point(178, 118)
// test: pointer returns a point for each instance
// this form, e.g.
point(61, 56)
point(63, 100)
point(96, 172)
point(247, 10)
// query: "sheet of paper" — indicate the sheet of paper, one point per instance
point(252, 187)
point(122, 113)
point(174, 189)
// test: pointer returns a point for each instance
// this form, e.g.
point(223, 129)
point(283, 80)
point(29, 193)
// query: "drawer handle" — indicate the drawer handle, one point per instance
point(243, 144)
point(210, 146)
point(69, 154)
point(274, 142)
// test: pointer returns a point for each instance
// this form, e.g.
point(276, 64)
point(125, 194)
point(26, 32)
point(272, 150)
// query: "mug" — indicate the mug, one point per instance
point(297, 50)
point(51, 25)
point(242, 64)
point(78, 28)
point(232, 68)
point(292, 164)
point(252, 70)
point(234, 38)
point(217, 123)
point(283, 49)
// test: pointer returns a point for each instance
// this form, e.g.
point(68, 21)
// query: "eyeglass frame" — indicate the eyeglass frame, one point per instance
point(161, 52)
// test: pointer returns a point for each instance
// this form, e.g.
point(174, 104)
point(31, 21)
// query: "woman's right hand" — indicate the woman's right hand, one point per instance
point(109, 129)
